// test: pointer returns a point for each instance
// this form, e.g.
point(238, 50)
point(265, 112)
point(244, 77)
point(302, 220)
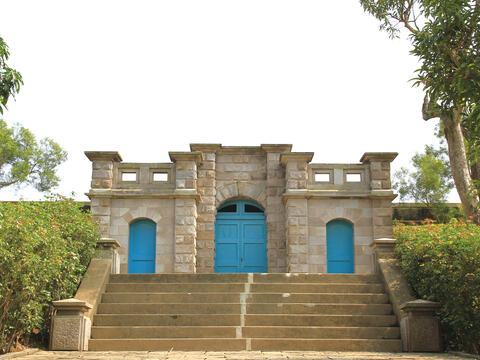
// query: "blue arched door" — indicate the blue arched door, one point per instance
point(141, 248)
point(240, 238)
point(340, 247)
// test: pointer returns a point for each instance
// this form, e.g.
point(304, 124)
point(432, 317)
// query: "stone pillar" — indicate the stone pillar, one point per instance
point(185, 210)
point(275, 209)
point(381, 187)
point(206, 207)
point(296, 209)
point(70, 328)
point(420, 327)
point(108, 249)
point(102, 179)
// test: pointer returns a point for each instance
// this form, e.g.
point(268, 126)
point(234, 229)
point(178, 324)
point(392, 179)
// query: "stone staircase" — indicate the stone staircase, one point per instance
point(322, 312)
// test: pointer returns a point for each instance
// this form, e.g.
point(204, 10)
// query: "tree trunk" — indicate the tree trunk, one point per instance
point(459, 164)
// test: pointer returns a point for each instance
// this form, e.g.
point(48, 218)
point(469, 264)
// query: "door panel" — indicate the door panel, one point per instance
point(340, 247)
point(141, 249)
point(240, 239)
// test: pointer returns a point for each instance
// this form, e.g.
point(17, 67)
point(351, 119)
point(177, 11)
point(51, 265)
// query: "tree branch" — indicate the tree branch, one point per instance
point(430, 109)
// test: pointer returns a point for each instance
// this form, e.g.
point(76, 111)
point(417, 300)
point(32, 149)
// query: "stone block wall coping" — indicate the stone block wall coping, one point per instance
point(421, 306)
point(108, 243)
point(167, 193)
point(378, 156)
point(296, 156)
point(383, 245)
point(196, 156)
point(72, 305)
point(103, 156)
point(336, 194)
point(277, 148)
point(208, 148)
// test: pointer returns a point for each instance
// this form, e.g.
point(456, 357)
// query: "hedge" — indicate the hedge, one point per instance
point(45, 248)
point(442, 263)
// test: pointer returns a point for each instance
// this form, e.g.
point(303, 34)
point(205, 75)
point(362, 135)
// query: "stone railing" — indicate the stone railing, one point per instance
point(143, 175)
point(419, 325)
point(338, 177)
point(72, 318)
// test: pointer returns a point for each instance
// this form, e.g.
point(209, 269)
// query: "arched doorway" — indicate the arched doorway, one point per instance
point(240, 238)
point(141, 247)
point(340, 247)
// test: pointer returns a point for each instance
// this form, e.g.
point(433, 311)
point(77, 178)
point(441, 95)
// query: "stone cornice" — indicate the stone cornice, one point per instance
point(276, 148)
point(296, 156)
point(103, 156)
point(186, 156)
point(206, 148)
point(142, 194)
point(338, 194)
point(378, 156)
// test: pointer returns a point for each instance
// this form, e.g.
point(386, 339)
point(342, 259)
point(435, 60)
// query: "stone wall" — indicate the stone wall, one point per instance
point(297, 205)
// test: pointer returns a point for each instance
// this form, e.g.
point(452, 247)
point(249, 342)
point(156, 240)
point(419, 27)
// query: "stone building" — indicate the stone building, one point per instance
point(243, 209)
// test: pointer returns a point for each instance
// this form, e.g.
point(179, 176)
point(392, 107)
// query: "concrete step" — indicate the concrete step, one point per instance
point(179, 278)
point(320, 320)
point(167, 344)
point(175, 287)
point(131, 308)
point(308, 332)
point(166, 320)
point(345, 298)
point(117, 297)
point(141, 332)
point(374, 345)
point(222, 297)
point(317, 288)
point(225, 344)
point(333, 309)
point(315, 278)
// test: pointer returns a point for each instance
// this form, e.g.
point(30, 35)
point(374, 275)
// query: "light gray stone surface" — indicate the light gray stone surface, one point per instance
point(239, 355)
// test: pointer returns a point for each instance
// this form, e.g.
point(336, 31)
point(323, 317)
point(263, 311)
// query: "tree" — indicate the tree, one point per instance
point(23, 160)
point(429, 183)
point(445, 36)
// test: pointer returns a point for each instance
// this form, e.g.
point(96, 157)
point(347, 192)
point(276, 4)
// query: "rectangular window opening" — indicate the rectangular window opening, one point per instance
point(319, 177)
point(354, 178)
point(129, 176)
point(159, 176)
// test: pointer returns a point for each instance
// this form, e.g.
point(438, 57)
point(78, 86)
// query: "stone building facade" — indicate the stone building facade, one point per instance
point(298, 198)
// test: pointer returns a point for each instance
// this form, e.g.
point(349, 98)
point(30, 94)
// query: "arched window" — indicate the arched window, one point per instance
point(141, 247)
point(340, 247)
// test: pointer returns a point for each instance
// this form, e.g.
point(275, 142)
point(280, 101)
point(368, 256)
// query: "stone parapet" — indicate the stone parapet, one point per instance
point(186, 168)
point(379, 168)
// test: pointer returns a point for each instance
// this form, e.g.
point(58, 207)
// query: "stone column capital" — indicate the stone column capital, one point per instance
point(296, 156)
point(195, 156)
point(108, 244)
point(72, 305)
point(206, 148)
point(420, 307)
point(378, 157)
point(276, 148)
point(383, 245)
point(113, 156)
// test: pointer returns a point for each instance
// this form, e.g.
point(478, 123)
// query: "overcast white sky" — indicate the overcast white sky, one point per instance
point(148, 77)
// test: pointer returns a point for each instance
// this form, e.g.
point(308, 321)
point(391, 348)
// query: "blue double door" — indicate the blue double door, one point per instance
point(240, 238)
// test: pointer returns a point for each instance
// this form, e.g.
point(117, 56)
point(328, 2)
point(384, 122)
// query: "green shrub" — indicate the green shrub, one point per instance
point(45, 248)
point(442, 263)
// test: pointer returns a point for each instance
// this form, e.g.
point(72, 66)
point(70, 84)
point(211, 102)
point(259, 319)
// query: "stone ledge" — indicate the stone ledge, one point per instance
point(196, 156)
point(338, 194)
point(143, 194)
point(296, 156)
point(378, 156)
point(103, 156)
